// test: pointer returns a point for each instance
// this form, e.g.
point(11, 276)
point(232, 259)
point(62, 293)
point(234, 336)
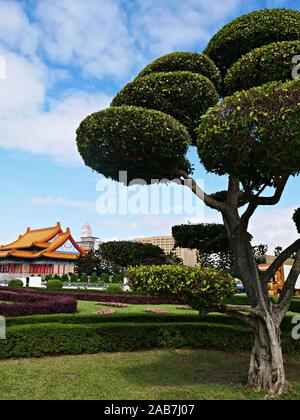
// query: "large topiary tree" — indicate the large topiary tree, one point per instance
point(253, 138)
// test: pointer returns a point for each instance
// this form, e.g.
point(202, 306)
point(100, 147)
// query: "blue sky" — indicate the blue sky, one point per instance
point(68, 58)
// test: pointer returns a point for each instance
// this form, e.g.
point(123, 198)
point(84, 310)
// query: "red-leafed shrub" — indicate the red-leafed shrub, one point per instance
point(107, 297)
point(22, 303)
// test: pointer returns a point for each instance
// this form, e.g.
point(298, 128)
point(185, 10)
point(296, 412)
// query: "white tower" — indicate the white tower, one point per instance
point(88, 241)
point(86, 231)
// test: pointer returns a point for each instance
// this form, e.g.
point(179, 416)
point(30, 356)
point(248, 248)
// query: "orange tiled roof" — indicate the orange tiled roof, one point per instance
point(47, 241)
point(34, 238)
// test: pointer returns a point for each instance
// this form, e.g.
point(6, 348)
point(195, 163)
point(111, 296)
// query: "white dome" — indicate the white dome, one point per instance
point(86, 231)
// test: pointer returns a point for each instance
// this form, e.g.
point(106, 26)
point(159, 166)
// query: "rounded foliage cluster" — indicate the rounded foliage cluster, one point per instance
point(15, 283)
point(197, 287)
point(183, 95)
point(296, 218)
point(145, 143)
point(185, 61)
point(54, 284)
point(206, 237)
point(255, 134)
point(273, 62)
point(128, 253)
point(252, 31)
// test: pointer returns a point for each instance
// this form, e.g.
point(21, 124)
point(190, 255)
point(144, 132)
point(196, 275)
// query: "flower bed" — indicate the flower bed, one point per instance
point(106, 312)
point(24, 303)
point(156, 311)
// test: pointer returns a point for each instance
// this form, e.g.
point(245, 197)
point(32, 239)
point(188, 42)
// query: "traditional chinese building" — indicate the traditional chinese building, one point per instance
point(40, 252)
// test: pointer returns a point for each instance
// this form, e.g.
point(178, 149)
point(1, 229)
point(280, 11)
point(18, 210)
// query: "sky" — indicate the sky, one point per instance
point(61, 60)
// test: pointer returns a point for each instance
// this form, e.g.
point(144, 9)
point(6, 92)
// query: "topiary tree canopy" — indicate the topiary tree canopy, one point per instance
point(263, 65)
point(251, 31)
point(140, 141)
point(257, 141)
point(182, 94)
point(251, 137)
point(185, 61)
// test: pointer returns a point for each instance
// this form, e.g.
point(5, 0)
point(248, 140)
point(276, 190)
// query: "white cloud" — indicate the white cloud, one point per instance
point(273, 227)
point(163, 26)
point(92, 35)
point(61, 201)
point(16, 31)
point(30, 122)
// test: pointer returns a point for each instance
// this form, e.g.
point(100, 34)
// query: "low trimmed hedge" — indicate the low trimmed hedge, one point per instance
point(15, 283)
point(54, 284)
point(25, 303)
point(57, 339)
point(133, 299)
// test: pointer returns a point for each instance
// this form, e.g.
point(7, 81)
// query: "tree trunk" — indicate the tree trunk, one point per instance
point(267, 371)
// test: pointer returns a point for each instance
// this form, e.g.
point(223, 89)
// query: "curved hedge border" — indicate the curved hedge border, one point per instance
point(25, 303)
point(185, 61)
point(270, 63)
point(251, 31)
point(103, 297)
point(56, 339)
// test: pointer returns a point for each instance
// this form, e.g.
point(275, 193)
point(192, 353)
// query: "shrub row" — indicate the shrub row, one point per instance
point(109, 297)
point(24, 303)
point(55, 339)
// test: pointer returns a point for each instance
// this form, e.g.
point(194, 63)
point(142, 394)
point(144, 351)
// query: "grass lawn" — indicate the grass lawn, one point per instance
point(90, 308)
point(157, 374)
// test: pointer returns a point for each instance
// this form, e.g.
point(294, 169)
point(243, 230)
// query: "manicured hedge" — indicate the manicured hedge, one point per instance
point(54, 284)
point(15, 283)
point(138, 299)
point(195, 286)
point(24, 303)
point(183, 95)
point(55, 339)
point(270, 63)
point(251, 31)
point(185, 61)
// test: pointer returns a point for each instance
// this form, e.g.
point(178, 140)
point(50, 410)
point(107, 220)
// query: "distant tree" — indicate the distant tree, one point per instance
point(126, 254)
point(83, 279)
point(278, 250)
point(94, 278)
point(73, 278)
point(211, 242)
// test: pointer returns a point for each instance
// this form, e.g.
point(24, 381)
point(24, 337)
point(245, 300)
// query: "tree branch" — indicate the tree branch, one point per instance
point(289, 287)
point(231, 309)
point(279, 261)
point(207, 199)
point(256, 200)
point(233, 192)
